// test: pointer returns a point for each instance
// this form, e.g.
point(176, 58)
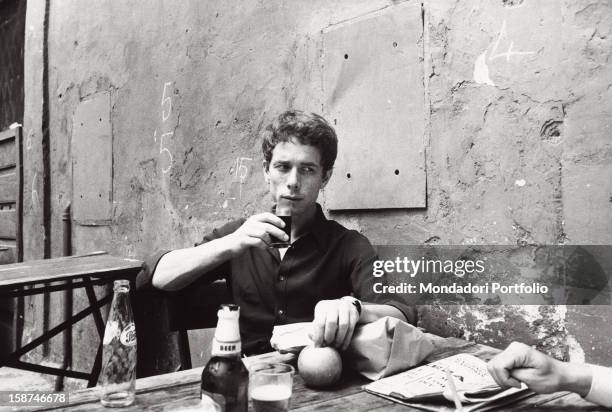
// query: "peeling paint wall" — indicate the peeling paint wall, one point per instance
point(517, 133)
point(515, 156)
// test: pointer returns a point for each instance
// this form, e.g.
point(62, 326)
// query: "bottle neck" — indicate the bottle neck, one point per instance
point(226, 350)
point(226, 342)
point(121, 298)
point(121, 310)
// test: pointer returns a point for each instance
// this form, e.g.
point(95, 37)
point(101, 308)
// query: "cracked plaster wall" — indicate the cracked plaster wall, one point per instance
point(517, 134)
point(515, 156)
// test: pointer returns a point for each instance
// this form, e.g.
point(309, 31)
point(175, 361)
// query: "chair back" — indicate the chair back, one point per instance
point(195, 308)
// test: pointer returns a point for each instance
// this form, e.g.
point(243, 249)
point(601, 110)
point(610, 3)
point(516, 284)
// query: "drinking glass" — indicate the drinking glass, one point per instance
point(270, 386)
point(283, 211)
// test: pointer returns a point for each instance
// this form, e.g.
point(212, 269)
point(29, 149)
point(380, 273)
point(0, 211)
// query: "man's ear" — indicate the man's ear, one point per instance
point(266, 171)
point(326, 176)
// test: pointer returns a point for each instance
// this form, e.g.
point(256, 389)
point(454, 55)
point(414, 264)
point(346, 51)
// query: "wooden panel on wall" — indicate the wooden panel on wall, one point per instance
point(11, 194)
point(8, 252)
point(8, 224)
point(7, 153)
point(8, 186)
point(92, 161)
point(374, 96)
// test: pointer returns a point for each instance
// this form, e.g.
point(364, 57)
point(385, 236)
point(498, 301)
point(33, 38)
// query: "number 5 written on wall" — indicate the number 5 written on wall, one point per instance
point(242, 170)
point(163, 149)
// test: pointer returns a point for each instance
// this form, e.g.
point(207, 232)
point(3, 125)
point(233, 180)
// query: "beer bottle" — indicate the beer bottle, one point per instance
point(225, 379)
point(118, 378)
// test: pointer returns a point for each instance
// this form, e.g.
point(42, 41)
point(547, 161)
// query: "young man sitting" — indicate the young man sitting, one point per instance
point(324, 276)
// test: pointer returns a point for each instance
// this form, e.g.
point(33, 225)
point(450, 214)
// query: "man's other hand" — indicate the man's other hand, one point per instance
point(334, 323)
point(541, 373)
point(256, 232)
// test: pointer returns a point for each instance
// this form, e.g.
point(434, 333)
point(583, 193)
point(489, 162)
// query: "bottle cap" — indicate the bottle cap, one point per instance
point(122, 285)
point(229, 311)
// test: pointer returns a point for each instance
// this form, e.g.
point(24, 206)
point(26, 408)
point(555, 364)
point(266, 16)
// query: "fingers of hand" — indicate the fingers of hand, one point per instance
point(255, 235)
point(344, 321)
point(272, 230)
point(354, 317)
point(496, 371)
point(271, 219)
point(318, 325)
point(523, 375)
point(499, 368)
point(331, 324)
point(542, 378)
point(334, 323)
point(516, 355)
point(511, 381)
point(263, 231)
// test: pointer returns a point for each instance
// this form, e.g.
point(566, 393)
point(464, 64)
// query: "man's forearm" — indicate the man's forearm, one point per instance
point(592, 382)
point(371, 312)
point(600, 391)
point(576, 378)
point(179, 268)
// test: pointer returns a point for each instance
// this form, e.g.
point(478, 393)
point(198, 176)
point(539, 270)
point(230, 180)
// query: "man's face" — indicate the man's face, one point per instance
point(295, 175)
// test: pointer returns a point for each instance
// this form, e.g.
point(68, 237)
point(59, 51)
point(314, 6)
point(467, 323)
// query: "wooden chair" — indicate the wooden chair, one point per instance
point(195, 308)
point(11, 235)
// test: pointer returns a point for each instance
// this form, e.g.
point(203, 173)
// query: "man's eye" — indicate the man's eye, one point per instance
point(282, 168)
point(308, 169)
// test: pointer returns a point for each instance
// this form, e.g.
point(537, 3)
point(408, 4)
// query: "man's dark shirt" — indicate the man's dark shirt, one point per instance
point(328, 262)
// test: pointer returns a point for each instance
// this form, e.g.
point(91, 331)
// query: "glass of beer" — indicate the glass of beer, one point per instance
point(283, 211)
point(270, 386)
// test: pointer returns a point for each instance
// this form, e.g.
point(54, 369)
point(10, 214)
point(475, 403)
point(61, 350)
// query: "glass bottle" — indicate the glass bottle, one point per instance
point(118, 378)
point(225, 379)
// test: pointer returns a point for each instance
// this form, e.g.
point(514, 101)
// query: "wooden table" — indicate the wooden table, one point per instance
point(174, 391)
point(58, 274)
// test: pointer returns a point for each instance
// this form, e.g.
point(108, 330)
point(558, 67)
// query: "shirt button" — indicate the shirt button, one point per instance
point(281, 312)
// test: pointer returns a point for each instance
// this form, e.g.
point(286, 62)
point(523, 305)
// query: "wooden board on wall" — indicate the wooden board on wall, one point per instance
point(92, 161)
point(374, 96)
point(11, 195)
point(8, 224)
point(8, 251)
point(7, 153)
point(8, 186)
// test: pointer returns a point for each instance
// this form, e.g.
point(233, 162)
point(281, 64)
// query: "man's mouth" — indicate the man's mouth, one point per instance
point(292, 198)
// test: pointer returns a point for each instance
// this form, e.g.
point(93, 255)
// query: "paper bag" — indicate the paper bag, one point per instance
point(387, 346)
point(378, 349)
point(292, 337)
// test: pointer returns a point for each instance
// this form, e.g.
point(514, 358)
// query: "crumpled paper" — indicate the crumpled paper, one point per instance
point(292, 337)
point(378, 349)
point(386, 347)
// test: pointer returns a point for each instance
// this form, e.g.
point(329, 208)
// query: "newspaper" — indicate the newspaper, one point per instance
point(425, 387)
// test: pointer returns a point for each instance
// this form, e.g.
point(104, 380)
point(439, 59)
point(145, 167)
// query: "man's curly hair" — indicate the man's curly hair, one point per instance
point(308, 129)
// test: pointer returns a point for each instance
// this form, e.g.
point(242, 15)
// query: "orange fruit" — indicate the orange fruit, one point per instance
point(319, 367)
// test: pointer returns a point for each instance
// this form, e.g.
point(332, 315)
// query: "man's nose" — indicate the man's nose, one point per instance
point(293, 179)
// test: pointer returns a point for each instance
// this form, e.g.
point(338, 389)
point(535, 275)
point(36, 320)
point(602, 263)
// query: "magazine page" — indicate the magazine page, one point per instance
point(469, 372)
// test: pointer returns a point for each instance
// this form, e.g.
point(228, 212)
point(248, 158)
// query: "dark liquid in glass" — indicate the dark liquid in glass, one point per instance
point(276, 242)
